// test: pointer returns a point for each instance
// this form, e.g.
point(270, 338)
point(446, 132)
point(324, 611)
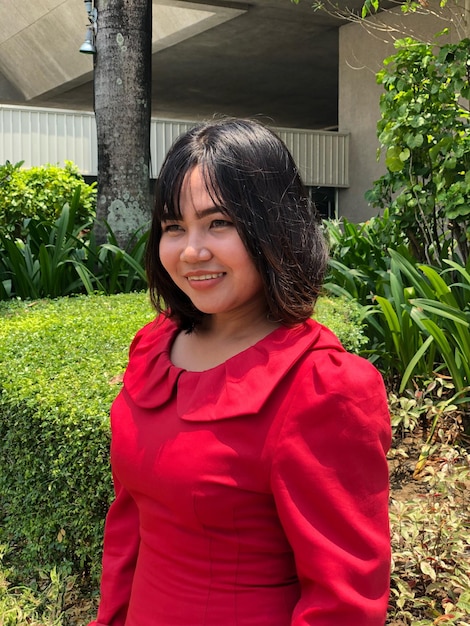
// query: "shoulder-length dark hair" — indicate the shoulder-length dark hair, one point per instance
point(251, 173)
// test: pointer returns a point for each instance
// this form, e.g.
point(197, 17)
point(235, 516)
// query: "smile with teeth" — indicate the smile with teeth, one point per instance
point(205, 276)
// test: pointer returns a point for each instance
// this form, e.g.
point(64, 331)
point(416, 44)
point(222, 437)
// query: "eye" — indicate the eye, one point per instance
point(221, 223)
point(171, 227)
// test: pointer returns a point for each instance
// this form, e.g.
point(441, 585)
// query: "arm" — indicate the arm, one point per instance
point(121, 545)
point(330, 483)
point(122, 531)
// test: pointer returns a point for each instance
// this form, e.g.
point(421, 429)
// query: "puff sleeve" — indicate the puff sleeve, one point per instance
point(121, 544)
point(330, 484)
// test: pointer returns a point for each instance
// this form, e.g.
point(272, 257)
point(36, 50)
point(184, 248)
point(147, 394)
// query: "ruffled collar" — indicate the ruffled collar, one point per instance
point(239, 386)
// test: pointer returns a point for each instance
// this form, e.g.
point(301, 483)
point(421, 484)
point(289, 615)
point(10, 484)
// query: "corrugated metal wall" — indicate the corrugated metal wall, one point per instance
point(322, 157)
point(38, 136)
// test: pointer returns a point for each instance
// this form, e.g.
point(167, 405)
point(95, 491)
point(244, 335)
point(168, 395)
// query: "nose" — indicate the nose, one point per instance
point(195, 251)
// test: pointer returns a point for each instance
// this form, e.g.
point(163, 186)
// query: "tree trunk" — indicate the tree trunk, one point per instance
point(122, 85)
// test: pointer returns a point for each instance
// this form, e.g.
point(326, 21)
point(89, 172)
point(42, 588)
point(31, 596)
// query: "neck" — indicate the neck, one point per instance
point(236, 327)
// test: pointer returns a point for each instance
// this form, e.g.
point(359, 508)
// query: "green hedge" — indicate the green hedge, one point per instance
point(58, 362)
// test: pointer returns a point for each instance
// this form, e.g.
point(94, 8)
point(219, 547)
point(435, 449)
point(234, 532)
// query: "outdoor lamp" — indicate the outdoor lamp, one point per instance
point(88, 46)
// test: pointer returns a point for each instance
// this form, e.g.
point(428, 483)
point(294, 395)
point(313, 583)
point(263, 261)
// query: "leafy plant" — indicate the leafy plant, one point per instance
point(359, 255)
point(108, 269)
point(37, 604)
point(416, 316)
point(344, 317)
point(430, 574)
point(39, 193)
point(60, 258)
point(68, 355)
point(424, 132)
point(44, 263)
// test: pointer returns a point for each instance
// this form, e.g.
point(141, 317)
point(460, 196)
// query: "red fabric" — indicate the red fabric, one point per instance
point(252, 494)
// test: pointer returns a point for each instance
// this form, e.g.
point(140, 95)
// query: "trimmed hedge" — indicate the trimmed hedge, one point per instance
point(60, 363)
point(57, 364)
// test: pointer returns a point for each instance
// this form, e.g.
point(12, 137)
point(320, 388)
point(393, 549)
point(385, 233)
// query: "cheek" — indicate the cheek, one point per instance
point(251, 273)
point(165, 254)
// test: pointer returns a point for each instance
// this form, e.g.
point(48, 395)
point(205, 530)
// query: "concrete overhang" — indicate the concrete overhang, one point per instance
point(268, 58)
point(39, 40)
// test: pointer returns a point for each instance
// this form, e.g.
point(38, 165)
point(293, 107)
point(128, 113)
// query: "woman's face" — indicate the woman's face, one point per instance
point(205, 257)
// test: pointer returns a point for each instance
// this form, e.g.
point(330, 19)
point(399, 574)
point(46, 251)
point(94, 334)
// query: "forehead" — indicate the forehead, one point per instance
point(195, 193)
point(196, 184)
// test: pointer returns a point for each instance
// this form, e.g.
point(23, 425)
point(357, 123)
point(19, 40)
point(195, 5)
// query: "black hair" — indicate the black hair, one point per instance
point(251, 173)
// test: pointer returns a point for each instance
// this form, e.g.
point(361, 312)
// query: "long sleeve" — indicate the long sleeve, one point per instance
point(330, 483)
point(121, 545)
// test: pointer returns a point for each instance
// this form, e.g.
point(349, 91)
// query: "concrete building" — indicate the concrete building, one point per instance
point(290, 66)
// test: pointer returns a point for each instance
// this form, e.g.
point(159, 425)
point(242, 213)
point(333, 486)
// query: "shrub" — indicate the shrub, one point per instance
point(57, 365)
point(416, 316)
point(424, 134)
point(40, 193)
point(59, 361)
point(344, 317)
point(24, 606)
point(360, 260)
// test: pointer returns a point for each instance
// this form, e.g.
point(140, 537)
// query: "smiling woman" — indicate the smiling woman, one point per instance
point(248, 447)
point(206, 258)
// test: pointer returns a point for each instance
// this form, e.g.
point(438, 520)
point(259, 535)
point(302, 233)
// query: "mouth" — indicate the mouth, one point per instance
point(201, 277)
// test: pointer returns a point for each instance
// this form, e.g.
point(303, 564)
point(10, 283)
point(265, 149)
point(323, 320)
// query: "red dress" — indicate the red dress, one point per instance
point(251, 494)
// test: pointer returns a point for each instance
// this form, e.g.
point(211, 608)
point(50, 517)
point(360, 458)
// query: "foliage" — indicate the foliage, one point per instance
point(416, 316)
point(430, 580)
point(22, 605)
point(425, 320)
point(344, 318)
point(429, 508)
point(359, 255)
point(54, 405)
point(60, 258)
point(428, 406)
point(39, 193)
point(424, 131)
point(106, 268)
point(44, 262)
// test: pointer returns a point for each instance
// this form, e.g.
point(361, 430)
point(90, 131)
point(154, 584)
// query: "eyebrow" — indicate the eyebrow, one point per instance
point(211, 211)
point(201, 214)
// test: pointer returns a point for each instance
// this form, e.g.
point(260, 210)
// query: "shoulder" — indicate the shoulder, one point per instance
point(333, 370)
point(153, 333)
point(337, 392)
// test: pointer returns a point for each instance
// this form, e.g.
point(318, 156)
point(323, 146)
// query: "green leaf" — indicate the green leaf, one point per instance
point(404, 154)
point(413, 362)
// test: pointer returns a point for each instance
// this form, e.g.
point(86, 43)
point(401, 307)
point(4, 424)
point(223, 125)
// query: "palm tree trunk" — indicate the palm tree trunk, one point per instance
point(122, 86)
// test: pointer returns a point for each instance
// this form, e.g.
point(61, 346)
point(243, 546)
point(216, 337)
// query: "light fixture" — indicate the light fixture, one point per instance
point(88, 46)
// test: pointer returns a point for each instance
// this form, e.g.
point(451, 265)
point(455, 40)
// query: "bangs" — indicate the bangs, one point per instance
point(168, 195)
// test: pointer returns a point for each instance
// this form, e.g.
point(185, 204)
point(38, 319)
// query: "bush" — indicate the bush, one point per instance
point(40, 193)
point(416, 316)
point(424, 135)
point(54, 479)
point(60, 363)
point(344, 317)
